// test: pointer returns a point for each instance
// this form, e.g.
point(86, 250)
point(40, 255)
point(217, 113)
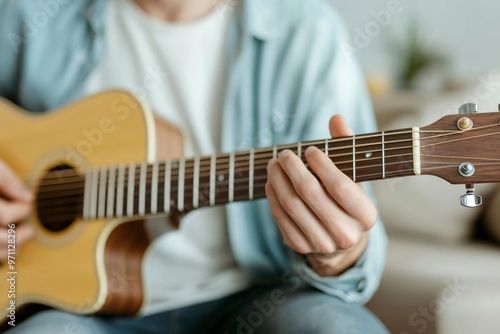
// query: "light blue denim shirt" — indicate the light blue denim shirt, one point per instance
point(285, 76)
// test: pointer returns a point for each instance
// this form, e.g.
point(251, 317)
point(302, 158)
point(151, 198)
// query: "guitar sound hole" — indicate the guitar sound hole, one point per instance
point(60, 198)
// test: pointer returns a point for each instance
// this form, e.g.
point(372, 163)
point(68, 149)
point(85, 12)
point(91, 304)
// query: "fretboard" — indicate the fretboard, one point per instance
point(186, 184)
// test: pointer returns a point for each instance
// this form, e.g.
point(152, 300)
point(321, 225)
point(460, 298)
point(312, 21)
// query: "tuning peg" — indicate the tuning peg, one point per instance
point(470, 199)
point(468, 108)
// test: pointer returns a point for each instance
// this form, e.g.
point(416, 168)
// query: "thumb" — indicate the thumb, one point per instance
point(339, 127)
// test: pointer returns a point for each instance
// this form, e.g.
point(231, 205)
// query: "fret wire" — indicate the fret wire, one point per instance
point(154, 188)
point(265, 160)
point(212, 180)
point(365, 159)
point(101, 207)
point(354, 158)
point(399, 155)
point(142, 189)
point(180, 189)
point(196, 182)
point(244, 181)
point(251, 174)
point(111, 192)
point(167, 181)
point(102, 193)
point(366, 136)
point(262, 178)
point(231, 178)
point(120, 191)
point(222, 160)
point(275, 152)
point(383, 155)
point(86, 194)
point(93, 202)
point(130, 190)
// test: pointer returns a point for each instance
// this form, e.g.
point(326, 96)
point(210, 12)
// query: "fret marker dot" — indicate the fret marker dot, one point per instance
point(221, 177)
point(368, 155)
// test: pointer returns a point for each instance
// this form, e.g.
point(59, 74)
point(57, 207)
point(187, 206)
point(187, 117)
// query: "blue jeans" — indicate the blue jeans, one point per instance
point(257, 310)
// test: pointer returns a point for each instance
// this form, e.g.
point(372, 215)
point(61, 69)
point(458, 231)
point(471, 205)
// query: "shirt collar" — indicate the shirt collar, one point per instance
point(262, 18)
point(96, 14)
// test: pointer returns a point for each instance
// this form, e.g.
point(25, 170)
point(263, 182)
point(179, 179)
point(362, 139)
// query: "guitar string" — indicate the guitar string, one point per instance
point(239, 190)
point(68, 192)
point(243, 197)
point(388, 173)
point(174, 178)
point(379, 173)
point(188, 182)
point(264, 177)
point(223, 160)
point(57, 195)
point(259, 164)
point(264, 154)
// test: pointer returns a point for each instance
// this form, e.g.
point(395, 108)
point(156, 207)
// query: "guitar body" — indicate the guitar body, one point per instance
point(91, 266)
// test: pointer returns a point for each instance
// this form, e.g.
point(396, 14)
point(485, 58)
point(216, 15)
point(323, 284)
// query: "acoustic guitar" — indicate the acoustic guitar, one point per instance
point(96, 171)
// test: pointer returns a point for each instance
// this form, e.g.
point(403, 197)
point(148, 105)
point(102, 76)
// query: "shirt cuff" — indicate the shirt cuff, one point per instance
point(358, 283)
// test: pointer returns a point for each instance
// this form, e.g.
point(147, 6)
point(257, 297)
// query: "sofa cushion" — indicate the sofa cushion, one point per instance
point(419, 275)
point(428, 207)
point(492, 217)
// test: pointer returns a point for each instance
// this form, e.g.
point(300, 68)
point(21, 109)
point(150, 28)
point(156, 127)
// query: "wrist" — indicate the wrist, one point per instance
point(334, 264)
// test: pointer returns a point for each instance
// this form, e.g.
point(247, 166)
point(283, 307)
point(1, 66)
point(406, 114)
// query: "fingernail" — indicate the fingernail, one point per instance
point(310, 150)
point(284, 153)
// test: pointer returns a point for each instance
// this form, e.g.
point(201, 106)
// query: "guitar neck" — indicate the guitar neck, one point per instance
point(186, 184)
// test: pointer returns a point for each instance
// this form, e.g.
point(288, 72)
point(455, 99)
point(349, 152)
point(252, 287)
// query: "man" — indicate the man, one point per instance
point(230, 75)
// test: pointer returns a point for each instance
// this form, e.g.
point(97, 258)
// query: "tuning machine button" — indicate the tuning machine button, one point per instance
point(468, 108)
point(470, 199)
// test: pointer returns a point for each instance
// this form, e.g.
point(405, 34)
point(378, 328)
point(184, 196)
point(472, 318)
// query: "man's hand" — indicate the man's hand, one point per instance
point(330, 225)
point(15, 205)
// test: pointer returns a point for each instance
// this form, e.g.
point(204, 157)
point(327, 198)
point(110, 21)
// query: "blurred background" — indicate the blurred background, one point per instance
point(423, 59)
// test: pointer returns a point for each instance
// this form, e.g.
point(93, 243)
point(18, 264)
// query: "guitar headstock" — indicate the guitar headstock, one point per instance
point(463, 149)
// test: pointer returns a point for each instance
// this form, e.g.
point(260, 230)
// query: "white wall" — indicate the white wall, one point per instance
point(468, 30)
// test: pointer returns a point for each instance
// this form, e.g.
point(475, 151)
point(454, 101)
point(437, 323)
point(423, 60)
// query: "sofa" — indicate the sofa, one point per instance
point(443, 261)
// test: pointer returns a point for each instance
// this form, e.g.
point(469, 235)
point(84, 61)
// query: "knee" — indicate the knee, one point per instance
point(344, 318)
point(317, 313)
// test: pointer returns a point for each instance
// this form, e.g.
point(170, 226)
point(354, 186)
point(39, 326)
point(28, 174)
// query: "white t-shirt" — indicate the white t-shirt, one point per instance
point(177, 68)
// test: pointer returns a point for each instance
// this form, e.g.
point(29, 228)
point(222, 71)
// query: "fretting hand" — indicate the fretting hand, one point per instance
point(329, 224)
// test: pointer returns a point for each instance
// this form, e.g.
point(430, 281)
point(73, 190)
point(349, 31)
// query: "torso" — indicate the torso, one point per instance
point(178, 70)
